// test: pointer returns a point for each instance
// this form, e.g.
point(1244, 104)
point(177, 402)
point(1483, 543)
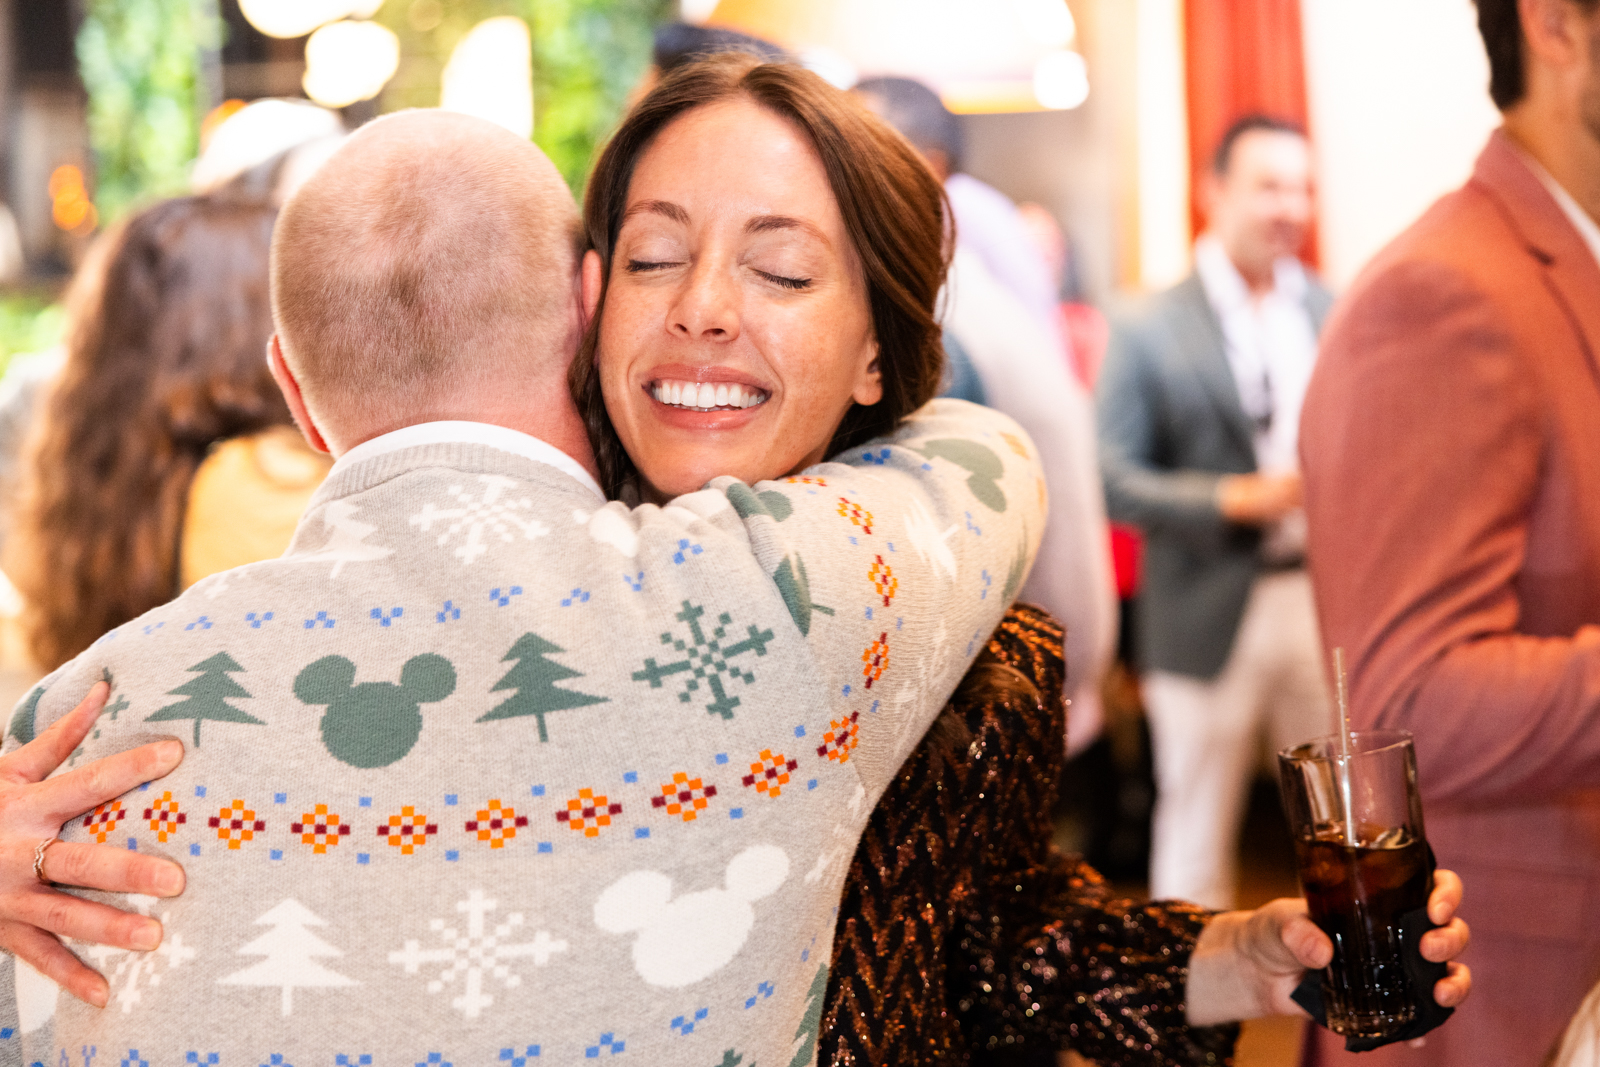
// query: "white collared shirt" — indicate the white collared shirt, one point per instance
point(1272, 346)
point(471, 433)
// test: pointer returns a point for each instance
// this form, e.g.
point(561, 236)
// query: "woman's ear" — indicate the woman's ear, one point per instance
point(869, 386)
point(593, 281)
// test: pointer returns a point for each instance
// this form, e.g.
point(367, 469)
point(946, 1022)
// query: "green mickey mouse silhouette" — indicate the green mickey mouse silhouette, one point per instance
point(373, 724)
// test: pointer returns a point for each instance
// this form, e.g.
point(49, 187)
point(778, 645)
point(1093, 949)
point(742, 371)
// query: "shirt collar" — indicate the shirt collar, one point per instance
point(1225, 287)
point(472, 433)
point(1581, 220)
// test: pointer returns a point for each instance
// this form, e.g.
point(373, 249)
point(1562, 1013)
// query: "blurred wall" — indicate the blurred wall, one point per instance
point(1399, 110)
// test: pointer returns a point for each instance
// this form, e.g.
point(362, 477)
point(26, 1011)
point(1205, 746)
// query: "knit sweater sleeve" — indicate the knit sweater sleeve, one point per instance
point(897, 561)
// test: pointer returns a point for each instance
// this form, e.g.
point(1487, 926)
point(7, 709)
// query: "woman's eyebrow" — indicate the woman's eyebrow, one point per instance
point(768, 223)
point(664, 208)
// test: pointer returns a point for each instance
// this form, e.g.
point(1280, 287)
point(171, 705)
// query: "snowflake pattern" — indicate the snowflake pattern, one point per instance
point(480, 952)
point(490, 515)
point(130, 974)
point(706, 659)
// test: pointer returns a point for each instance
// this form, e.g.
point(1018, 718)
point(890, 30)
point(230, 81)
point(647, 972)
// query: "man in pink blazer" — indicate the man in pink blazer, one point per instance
point(1451, 448)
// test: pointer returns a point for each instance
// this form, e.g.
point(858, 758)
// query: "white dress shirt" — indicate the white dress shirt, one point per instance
point(1272, 346)
point(473, 433)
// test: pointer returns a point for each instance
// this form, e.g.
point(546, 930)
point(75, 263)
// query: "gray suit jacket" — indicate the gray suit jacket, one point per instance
point(1171, 426)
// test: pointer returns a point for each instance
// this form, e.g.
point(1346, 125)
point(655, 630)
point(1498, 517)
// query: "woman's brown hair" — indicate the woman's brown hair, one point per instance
point(892, 205)
point(167, 332)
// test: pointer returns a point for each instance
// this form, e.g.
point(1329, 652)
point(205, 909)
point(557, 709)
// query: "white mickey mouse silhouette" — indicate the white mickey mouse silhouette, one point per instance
point(684, 940)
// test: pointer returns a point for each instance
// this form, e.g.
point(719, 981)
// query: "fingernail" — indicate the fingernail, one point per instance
point(100, 994)
point(169, 750)
point(169, 883)
point(147, 936)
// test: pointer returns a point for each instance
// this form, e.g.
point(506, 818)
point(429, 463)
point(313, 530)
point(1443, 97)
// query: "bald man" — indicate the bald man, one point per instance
point(485, 769)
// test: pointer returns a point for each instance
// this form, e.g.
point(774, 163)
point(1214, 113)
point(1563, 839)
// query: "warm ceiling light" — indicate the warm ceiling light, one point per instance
point(296, 18)
point(490, 75)
point(1061, 80)
point(349, 61)
point(979, 57)
point(1047, 21)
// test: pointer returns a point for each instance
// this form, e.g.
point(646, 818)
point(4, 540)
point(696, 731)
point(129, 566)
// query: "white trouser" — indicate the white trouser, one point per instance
point(1203, 737)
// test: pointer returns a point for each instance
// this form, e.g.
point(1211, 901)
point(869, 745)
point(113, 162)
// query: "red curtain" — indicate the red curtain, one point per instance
point(1244, 57)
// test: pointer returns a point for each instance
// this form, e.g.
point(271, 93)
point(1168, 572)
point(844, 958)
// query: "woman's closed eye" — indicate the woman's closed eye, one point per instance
point(784, 281)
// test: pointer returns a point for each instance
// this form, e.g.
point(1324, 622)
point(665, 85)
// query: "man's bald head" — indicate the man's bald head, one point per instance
point(430, 261)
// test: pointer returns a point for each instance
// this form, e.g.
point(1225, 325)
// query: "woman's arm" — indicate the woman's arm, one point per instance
point(33, 808)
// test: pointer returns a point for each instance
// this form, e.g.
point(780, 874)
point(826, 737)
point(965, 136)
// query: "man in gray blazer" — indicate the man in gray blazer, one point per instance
point(1199, 416)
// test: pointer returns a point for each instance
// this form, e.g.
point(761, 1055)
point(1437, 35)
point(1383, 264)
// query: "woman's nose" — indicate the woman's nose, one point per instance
point(707, 307)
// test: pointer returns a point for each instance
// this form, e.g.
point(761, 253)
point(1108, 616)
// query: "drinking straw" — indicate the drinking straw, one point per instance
point(1344, 748)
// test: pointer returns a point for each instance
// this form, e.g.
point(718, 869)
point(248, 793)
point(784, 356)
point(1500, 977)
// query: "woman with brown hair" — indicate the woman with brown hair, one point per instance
point(168, 323)
point(766, 259)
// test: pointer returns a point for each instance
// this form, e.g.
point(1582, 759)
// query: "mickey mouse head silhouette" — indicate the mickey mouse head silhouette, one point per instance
point(684, 940)
point(375, 723)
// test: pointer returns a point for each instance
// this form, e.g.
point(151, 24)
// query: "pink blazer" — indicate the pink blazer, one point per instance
point(1451, 446)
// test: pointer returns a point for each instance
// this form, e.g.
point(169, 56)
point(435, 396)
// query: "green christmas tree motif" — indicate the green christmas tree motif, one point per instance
point(534, 681)
point(811, 1023)
point(208, 696)
point(22, 721)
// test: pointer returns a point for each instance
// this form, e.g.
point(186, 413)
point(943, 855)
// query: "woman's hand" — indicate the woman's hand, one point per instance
point(1247, 963)
point(33, 810)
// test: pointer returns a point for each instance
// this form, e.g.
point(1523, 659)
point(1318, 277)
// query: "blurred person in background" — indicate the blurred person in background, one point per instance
point(260, 153)
point(1199, 413)
point(1451, 443)
point(167, 327)
point(1004, 318)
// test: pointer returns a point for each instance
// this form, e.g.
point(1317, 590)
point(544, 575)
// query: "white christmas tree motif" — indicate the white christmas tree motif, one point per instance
point(476, 953)
point(291, 953)
point(346, 539)
point(489, 515)
point(127, 971)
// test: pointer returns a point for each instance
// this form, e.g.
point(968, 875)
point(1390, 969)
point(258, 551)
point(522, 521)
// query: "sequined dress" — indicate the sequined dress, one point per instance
point(964, 938)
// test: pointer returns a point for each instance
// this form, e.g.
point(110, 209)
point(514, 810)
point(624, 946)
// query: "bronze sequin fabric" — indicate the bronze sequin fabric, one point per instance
point(964, 938)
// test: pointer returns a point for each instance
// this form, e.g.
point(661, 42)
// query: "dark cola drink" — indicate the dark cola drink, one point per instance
point(1357, 895)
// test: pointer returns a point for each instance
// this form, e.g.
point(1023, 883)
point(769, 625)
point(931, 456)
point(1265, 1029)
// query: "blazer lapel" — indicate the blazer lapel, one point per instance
point(1200, 338)
point(1570, 267)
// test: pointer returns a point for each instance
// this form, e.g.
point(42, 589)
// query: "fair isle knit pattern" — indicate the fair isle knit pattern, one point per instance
point(484, 771)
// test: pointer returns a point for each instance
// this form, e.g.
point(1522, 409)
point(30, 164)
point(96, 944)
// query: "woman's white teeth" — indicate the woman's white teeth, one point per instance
point(705, 396)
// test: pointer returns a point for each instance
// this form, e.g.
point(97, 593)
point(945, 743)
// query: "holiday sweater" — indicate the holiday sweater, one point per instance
point(487, 771)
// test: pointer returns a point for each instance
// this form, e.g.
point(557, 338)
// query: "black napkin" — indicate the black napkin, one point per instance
point(1420, 973)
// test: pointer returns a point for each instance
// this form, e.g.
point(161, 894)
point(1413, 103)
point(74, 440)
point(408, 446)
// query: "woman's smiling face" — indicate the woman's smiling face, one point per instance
point(736, 331)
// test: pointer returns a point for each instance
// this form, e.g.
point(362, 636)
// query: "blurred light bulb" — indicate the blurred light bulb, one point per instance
point(1061, 80)
point(490, 75)
point(696, 12)
point(296, 18)
point(349, 61)
point(1048, 22)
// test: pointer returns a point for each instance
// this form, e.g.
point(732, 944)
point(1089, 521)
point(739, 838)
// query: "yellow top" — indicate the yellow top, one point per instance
point(245, 501)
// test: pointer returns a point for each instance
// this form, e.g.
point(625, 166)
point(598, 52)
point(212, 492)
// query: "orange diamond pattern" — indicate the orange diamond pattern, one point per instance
point(320, 828)
point(236, 824)
point(164, 817)
point(496, 824)
point(588, 813)
point(684, 797)
point(407, 831)
point(770, 773)
point(102, 822)
point(842, 738)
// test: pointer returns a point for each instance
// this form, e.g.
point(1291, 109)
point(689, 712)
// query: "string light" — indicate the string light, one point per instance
point(1061, 80)
point(296, 18)
point(349, 61)
point(70, 206)
point(490, 75)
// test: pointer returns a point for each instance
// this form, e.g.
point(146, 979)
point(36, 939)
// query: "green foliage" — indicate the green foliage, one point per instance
point(140, 62)
point(587, 55)
point(27, 324)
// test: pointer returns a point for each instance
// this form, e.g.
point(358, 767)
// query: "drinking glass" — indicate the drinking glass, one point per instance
point(1363, 863)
